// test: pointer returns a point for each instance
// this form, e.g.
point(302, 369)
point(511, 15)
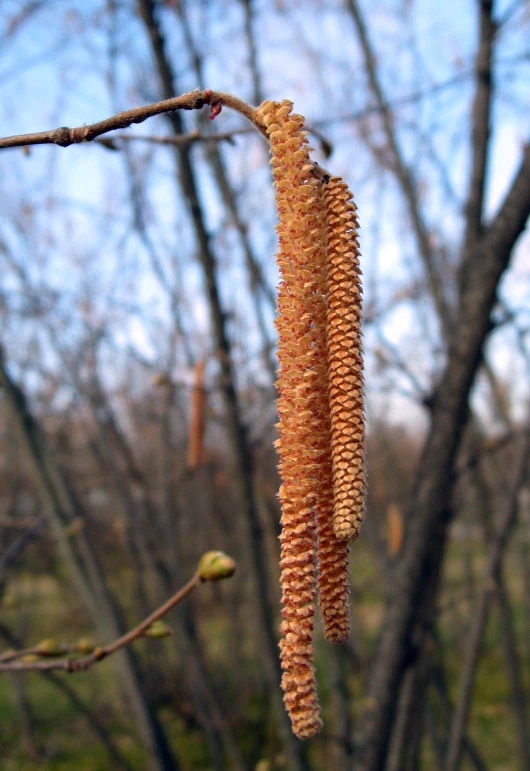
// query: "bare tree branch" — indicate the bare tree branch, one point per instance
point(15, 549)
point(194, 100)
point(13, 662)
point(182, 139)
point(480, 129)
point(480, 614)
point(403, 173)
point(249, 10)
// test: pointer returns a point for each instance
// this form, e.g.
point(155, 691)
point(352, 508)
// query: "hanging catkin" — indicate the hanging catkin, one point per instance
point(299, 376)
point(332, 552)
point(196, 453)
point(344, 295)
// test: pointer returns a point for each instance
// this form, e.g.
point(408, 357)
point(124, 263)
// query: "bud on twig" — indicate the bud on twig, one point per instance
point(216, 565)
point(49, 647)
point(158, 630)
point(85, 646)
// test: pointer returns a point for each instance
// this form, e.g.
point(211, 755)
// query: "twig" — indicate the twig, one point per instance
point(493, 446)
point(118, 760)
point(196, 136)
point(17, 547)
point(182, 139)
point(480, 134)
point(194, 100)
point(11, 662)
point(35, 650)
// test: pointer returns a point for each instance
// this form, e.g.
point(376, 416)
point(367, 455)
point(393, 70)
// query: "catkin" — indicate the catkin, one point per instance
point(196, 453)
point(395, 529)
point(301, 375)
point(333, 583)
point(344, 307)
point(332, 552)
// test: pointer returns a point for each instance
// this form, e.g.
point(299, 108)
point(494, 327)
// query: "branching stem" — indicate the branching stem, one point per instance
point(194, 100)
point(12, 661)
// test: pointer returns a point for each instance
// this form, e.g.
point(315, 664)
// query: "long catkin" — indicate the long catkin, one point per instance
point(298, 198)
point(332, 552)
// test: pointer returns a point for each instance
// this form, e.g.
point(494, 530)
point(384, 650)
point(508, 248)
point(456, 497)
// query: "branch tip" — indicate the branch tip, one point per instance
point(215, 566)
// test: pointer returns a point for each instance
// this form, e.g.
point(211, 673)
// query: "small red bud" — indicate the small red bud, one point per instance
point(215, 109)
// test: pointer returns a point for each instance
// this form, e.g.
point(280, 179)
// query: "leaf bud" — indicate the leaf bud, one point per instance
point(216, 565)
point(158, 630)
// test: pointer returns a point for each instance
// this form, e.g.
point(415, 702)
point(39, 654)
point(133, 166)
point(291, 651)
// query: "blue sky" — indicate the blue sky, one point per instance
point(82, 241)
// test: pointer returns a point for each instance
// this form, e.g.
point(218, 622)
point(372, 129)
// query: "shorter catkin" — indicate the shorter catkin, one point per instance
point(333, 583)
point(196, 453)
point(395, 529)
point(345, 359)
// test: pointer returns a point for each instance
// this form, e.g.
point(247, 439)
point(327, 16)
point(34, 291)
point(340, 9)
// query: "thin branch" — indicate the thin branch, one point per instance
point(35, 650)
point(438, 678)
point(492, 447)
point(182, 139)
point(481, 121)
point(480, 131)
point(97, 725)
point(402, 171)
point(13, 551)
point(401, 364)
point(100, 653)
point(194, 100)
point(250, 35)
point(454, 744)
point(195, 136)
point(392, 105)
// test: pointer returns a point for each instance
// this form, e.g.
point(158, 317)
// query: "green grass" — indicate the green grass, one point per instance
point(44, 607)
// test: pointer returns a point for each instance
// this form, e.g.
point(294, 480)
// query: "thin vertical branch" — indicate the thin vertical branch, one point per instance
point(480, 130)
point(479, 617)
point(402, 171)
point(249, 25)
point(258, 283)
point(196, 452)
point(437, 676)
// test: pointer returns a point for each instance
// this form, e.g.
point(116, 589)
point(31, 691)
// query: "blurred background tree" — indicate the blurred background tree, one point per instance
point(137, 297)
